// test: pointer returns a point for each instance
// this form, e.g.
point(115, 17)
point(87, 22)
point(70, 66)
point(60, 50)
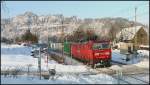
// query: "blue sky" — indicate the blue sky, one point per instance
point(82, 9)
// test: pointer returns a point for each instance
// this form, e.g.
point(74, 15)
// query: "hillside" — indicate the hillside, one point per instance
point(50, 25)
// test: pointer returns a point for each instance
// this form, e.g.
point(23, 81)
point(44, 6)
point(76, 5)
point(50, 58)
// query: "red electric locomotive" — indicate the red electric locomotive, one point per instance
point(92, 52)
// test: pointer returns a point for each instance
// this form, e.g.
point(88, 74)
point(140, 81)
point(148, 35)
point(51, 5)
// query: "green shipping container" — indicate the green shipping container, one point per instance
point(67, 46)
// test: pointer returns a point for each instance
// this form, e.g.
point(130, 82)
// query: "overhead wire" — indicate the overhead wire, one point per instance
point(5, 10)
point(122, 11)
point(131, 17)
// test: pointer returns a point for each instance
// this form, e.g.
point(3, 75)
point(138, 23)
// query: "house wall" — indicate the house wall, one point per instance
point(124, 47)
point(141, 38)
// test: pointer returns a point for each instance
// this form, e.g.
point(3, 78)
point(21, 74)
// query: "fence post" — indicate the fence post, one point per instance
point(119, 75)
point(39, 62)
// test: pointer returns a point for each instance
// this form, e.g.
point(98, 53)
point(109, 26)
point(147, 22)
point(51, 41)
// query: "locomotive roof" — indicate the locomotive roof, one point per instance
point(102, 41)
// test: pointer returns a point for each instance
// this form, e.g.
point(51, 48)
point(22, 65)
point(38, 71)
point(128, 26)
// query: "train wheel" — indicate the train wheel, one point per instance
point(84, 62)
point(101, 66)
point(88, 63)
point(93, 66)
point(91, 63)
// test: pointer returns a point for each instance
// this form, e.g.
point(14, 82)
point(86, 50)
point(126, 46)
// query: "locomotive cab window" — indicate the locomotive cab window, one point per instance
point(101, 46)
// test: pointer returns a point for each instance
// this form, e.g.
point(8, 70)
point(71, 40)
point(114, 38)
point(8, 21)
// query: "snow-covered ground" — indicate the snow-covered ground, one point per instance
point(142, 54)
point(17, 56)
point(133, 79)
point(64, 79)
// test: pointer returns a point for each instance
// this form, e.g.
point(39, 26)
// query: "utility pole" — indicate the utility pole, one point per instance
point(135, 43)
point(62, 31)
point(29, 22)
point(71, 55)
point(47, 47)
point(47, 51)
point(39, 62)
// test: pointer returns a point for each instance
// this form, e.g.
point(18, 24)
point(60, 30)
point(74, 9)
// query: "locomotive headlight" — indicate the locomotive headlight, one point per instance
point(96, 54)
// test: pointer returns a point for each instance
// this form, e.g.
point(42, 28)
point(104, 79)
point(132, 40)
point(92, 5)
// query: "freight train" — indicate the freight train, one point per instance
point(92, 52)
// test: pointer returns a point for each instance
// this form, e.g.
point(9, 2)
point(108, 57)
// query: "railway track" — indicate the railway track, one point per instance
point(126, 69)
point(106, 71)
point(144, 73)
point(131, 76)
point(67, 60)
point(126, 78)
point(121, 81)
point(131, 79)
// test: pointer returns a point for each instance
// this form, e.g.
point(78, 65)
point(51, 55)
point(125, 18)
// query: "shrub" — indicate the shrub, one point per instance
point(27, 37)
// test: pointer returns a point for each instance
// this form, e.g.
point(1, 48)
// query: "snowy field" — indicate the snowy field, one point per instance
point(64, 79)
point(13, 56)
point(17, 56)
point(134, 59)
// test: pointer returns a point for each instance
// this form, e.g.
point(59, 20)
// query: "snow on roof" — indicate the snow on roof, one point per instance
point(128, 33)
point(146, 46)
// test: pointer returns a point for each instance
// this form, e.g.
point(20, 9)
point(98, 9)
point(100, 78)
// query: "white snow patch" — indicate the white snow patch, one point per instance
point(117, 56)
point(16, 56)
point(147, 46)
point(145, 61)
point(115, 67)
point(143, 64)
point(143, 52)
point(64, 79)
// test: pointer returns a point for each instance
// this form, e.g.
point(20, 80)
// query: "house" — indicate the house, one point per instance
point(131, 38)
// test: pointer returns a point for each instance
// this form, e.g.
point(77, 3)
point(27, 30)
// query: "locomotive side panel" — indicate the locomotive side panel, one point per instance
point(74, 51)
point(100, 53)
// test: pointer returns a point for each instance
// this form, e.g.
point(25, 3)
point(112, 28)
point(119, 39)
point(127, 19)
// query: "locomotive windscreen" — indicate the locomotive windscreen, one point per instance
point(101, 45)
